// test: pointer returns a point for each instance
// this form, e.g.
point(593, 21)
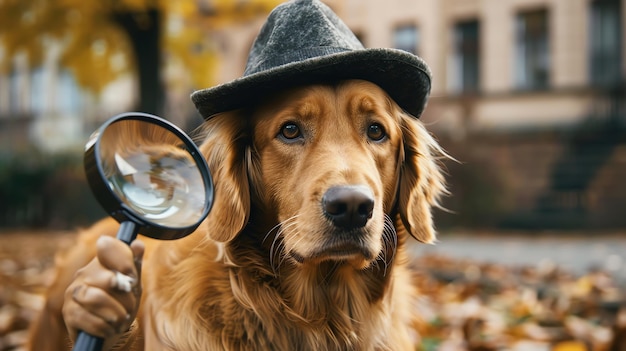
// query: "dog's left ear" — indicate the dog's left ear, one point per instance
point(224, 148)
point(421, 180)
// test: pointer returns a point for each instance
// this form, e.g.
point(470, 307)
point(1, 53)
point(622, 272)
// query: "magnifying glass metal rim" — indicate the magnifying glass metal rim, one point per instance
point(115, 206)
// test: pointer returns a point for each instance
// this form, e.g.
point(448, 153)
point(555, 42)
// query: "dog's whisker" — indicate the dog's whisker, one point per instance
point(296, 243)
point(277, 226)
point(273, 248)
point(279, 249)
point(273, 253)
point(285, 254)
point(390, 230)
point(282, 257)
point(390, 243)
point(382, 260)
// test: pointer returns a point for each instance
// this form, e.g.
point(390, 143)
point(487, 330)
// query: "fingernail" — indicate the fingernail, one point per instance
point(103, 239)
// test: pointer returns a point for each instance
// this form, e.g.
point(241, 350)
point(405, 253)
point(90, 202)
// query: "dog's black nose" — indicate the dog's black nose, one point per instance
point(349, 207)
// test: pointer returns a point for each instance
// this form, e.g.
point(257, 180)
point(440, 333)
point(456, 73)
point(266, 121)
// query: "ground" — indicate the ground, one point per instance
point(488, 301)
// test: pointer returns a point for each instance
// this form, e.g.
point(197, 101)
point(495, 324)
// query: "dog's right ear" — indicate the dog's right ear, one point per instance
point(224, 148)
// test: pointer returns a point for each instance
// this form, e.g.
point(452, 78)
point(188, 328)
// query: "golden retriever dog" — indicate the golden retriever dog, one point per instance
point(317, 191)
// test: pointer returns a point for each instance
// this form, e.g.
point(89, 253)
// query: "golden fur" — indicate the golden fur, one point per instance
point(264, 271)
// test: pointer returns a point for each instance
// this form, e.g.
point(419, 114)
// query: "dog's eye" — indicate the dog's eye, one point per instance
point(376, 132)
point(290, 131)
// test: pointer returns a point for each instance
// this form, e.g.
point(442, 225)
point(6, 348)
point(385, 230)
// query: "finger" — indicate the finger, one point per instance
point(78, 317)
point(115, 255)
point(98, 276)
point(126, 290)
point(97, 302)
point(87, 323)
point(138, 248)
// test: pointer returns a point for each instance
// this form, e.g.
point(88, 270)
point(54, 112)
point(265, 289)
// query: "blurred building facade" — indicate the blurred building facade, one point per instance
point(45, 108)
point(501, 64)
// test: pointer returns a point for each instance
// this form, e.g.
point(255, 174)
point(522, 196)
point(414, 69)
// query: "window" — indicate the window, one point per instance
point(17, 89)
point(605, 42)
point(406, 38)
point(465, 60)
point(532, 62)
point(37, 91)
point(68, 94)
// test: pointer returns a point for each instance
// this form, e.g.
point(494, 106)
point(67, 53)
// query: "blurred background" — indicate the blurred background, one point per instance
point(528, 95)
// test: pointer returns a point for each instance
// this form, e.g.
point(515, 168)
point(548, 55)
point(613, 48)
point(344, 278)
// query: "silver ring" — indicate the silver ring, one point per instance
point(123, 282)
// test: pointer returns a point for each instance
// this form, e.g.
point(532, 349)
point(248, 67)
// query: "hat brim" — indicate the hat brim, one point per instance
point(404, 76)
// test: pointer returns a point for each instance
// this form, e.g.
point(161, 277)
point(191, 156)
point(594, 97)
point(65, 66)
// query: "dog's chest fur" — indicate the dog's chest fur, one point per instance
point(327, 307)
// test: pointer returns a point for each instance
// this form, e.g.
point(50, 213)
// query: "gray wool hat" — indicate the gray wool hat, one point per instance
point(304, 42)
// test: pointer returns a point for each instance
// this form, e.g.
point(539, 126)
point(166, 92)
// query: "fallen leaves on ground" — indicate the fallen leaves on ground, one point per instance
point(463, 305)
point(26, 268)
point(475, 306)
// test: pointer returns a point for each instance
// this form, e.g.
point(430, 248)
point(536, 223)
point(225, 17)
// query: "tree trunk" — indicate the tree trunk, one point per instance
point(144, 32)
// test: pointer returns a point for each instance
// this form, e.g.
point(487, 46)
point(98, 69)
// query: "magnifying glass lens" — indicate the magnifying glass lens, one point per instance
point(158, 181)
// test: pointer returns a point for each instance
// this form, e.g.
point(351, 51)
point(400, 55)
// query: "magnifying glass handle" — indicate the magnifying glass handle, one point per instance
point(127, 232)
point(87, 342)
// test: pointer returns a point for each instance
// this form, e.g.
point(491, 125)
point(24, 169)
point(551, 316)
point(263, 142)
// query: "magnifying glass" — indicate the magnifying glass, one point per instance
point(150, 176)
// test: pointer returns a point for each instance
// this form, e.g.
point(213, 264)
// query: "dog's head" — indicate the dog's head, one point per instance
point(338, 169)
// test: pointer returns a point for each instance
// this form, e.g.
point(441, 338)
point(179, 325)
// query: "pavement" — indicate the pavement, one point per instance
point(574, 252)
